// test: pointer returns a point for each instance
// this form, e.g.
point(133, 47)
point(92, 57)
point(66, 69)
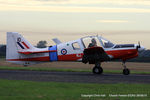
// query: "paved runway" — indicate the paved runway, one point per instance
point(76, 77)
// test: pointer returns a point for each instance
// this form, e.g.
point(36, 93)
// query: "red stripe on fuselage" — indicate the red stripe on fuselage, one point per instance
point(34, 52)
point(121, 54)
point(70, 57)
point(31, 59)
point(25, 45)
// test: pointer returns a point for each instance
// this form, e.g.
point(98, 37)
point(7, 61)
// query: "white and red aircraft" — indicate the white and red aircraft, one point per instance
point(90, 49)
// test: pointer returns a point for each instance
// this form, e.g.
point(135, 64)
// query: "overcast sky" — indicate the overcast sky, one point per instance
point(122, 21)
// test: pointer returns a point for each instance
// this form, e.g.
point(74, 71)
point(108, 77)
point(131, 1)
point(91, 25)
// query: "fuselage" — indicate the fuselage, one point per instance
point(73, 51)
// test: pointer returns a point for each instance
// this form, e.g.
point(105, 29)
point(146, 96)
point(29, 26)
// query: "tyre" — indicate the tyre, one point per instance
point(97, 70)
point(126, 71)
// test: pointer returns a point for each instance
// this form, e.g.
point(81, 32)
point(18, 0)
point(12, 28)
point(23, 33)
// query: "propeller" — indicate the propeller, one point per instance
point(139, 45)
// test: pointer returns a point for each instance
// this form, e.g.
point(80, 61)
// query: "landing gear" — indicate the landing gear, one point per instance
point(97, 69)
point(126, 71)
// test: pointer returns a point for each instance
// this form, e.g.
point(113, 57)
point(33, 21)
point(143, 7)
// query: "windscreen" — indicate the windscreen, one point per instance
point(106, 43)
point(90, 41)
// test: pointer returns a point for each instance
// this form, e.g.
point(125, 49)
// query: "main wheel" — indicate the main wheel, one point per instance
point(97, 70)
point(126, 71)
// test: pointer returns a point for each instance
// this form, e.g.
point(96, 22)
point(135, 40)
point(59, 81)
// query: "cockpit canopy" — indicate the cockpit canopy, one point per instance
point(91, 41)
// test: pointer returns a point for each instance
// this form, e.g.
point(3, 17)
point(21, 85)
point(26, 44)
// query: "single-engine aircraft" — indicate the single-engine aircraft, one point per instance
point(90, 49)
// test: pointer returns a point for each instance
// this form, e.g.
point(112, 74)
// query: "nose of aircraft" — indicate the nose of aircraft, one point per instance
point(140, 48)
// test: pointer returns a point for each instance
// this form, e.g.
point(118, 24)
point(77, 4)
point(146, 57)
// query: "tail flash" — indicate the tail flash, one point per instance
point(15, 43)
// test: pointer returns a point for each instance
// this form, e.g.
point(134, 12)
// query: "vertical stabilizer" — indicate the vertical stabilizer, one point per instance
point(15, 43)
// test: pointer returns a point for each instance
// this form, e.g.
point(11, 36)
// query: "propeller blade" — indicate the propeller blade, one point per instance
point(139, 46)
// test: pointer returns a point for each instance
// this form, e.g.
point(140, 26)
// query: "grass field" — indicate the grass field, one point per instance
point(26, 90)
point(66, 70)
point(109, 67)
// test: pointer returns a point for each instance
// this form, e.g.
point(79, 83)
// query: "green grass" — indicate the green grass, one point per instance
point(27, 90)
point(66, 70)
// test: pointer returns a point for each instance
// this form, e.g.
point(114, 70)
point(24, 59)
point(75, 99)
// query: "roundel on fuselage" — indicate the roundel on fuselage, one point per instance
point(63, 51)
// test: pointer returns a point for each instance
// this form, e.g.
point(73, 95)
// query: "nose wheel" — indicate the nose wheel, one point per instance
point(126, 71)
point(97, 69)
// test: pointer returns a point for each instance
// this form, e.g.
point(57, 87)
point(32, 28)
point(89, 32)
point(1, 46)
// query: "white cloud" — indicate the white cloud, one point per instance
point(112, 21)
point(116, 2)
point(39, 5)
point(73, 9)
point(78, 2)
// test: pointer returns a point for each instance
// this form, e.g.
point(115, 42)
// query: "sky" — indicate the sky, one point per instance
point(120, 21)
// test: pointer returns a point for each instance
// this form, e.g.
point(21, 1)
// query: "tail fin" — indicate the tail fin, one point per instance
point(16, 42)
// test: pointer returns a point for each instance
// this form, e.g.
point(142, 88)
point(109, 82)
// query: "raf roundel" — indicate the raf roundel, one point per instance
point(18, 39)
point(63, 51)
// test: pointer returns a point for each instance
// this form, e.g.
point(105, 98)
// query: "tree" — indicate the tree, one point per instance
point(41, 44)
point(2, 50)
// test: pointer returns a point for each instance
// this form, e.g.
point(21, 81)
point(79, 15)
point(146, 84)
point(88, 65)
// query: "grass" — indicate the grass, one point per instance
point(27, 90)
point(66, 70)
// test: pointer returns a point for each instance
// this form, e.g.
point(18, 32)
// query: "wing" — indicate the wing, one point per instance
point(94, 55)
